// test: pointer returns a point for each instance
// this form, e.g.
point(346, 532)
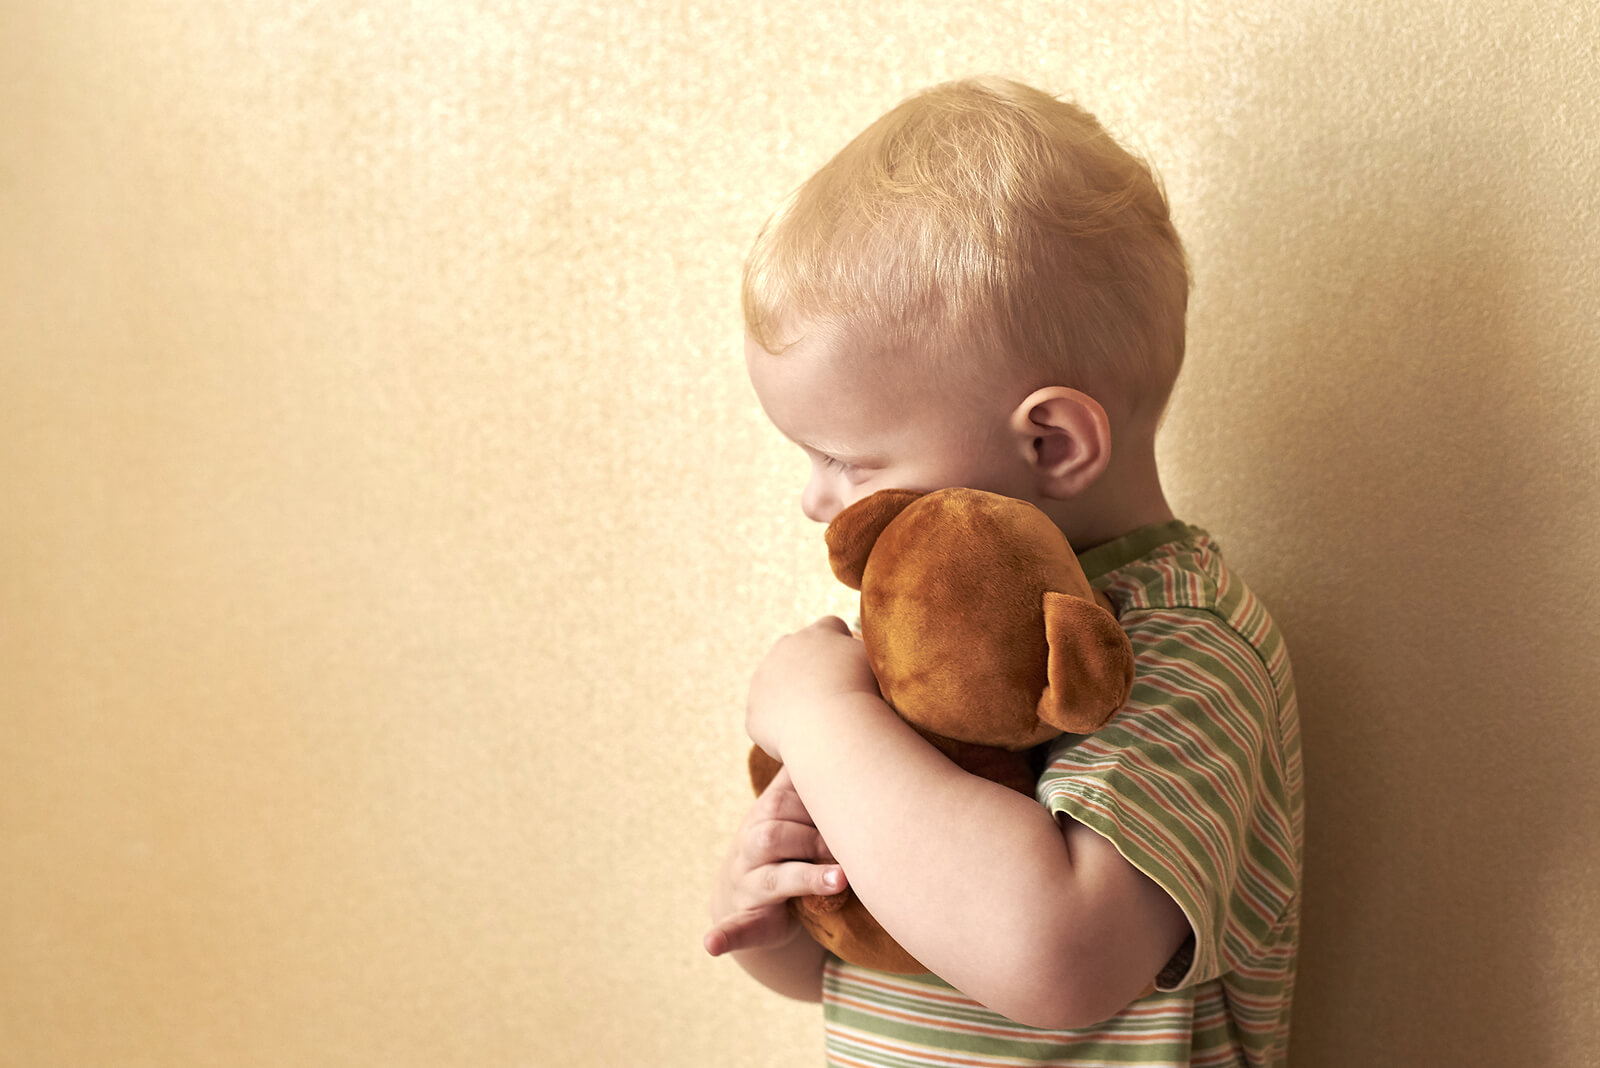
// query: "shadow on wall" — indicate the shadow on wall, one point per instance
point(1441, 720)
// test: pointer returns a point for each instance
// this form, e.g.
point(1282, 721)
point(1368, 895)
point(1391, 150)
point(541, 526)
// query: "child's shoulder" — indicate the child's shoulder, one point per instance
point(1158, 573)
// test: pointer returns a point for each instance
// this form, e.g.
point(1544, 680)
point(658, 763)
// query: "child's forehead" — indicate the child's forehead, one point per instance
point(828, 367)
point(807, 374)
point(835, 399)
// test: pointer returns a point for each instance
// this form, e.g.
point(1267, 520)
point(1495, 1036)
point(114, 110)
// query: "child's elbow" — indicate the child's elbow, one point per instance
point(1066, 993)
point(1053, 1011)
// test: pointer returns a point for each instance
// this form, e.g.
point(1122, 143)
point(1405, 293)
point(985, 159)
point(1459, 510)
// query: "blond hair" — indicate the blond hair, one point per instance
point(984, 216)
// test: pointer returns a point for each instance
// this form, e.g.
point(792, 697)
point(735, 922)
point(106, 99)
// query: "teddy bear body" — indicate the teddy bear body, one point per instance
point(984, 635)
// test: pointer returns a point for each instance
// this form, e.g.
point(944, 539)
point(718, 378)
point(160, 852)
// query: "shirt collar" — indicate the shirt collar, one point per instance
point(1119, 552)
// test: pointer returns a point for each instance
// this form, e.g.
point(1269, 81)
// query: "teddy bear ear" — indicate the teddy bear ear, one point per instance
point(854, 531)
point(1091, 664)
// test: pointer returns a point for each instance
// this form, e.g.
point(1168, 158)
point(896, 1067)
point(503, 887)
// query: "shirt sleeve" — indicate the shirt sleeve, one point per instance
point(1187, 782)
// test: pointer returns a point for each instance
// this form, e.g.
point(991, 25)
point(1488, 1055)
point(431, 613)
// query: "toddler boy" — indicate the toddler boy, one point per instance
point(983, 289)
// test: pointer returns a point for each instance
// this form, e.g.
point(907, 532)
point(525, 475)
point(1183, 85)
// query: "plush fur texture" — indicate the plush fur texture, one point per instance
point(984, 635)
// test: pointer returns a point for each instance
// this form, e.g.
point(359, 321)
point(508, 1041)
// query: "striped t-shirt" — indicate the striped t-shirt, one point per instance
point(1197, 781)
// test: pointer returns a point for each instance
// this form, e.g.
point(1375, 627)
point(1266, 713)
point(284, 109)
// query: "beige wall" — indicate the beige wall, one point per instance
point(388, 530)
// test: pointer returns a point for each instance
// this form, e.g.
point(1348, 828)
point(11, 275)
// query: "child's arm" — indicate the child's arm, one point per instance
point(776, 854)
point(1046, 925)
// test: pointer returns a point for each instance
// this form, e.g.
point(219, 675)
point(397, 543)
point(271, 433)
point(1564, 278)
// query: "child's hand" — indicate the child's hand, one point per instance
point(802, 670)
point(770, 862)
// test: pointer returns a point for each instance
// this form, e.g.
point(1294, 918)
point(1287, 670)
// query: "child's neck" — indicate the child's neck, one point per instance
point(1125, 497)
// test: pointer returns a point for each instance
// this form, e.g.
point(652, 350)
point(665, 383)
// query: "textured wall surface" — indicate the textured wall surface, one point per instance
point(388, 529)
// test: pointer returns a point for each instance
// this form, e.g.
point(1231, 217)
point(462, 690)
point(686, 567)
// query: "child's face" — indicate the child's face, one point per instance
point(867, 427)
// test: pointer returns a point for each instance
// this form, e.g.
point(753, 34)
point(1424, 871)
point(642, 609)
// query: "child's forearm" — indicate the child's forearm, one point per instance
point(975, 880)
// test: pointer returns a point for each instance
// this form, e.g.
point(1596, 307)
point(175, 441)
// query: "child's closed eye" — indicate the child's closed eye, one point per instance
point(854, 470)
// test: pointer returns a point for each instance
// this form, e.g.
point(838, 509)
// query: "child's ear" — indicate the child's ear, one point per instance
point(1065, 437)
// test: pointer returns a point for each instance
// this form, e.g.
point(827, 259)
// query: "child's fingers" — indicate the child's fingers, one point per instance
point(784, 805)
point(716, 942)
point(763, 919)
point(743, 932)
point(779, 882)
point(775, 841)
point(780, 800)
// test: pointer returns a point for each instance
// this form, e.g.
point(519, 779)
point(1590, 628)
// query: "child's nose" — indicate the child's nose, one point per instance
point(818, 502)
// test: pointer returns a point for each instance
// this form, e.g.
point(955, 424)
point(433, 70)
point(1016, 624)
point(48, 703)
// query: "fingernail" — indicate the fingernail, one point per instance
point(832, 880)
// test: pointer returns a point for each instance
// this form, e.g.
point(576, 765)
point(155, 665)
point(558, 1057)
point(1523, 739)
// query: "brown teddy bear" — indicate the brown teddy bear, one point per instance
point(984, 635)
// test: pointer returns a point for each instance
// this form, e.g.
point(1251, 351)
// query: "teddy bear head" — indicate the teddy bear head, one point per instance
point(977, 619)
